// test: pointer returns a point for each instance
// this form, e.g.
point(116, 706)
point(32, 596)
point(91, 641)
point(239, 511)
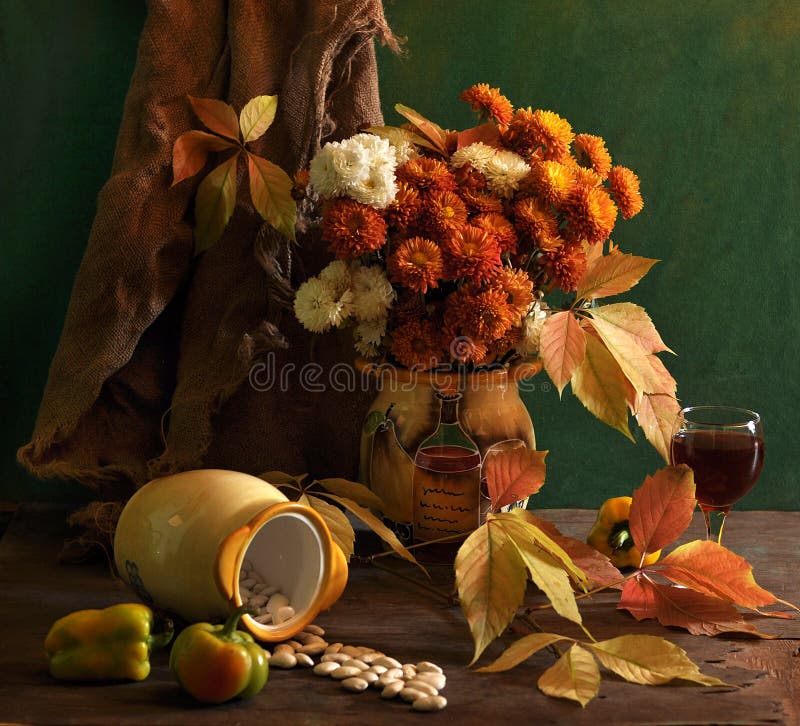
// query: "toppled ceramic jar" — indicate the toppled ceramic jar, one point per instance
point(182, 542)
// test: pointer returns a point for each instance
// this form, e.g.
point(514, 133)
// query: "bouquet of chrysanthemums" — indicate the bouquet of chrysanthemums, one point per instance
point(446, 244)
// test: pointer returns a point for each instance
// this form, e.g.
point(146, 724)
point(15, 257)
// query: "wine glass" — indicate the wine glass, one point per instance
point(724, 446)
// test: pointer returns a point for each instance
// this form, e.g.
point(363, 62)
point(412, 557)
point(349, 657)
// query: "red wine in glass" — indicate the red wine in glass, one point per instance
point(724, 446)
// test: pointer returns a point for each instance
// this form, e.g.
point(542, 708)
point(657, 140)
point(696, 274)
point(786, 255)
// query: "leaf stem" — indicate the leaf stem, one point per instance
point(531, 623)
point(447, 538)
point(588, 593)
point(429, 588)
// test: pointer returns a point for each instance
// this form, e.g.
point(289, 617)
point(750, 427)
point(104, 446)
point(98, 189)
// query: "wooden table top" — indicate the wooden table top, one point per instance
point(385, 612)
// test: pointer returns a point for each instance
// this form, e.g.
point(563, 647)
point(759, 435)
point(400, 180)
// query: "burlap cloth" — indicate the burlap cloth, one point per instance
point(152, 373)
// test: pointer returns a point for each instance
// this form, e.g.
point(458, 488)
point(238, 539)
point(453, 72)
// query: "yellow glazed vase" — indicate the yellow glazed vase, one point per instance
point(181, 540)
point(426, 439)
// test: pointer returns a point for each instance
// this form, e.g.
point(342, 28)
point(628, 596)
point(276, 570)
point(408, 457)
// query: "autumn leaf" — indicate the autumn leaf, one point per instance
point(491, 579)
point(601, 386)
point(340, 528)
point(217, 116)
point(612, 274)
point(354, 491)
point(656, 416)
point(376, 526)
point(214, 204)
point(271, 192)
point(485, 133)
point(662, 508)
point(714, 570)
point(520, 650)
point(257, 116)
point(649, 660)
point(635, 321)
point(513, 475)
point(430, 130)
point(683, 608)
point(190, 152)
point(562, 347)
point(395, 136)
point(278, 478)
point(632, 360)
point(574, 675)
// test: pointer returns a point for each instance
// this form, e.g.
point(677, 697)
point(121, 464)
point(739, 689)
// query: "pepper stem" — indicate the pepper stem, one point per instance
point(233, 620)
point(162, 638)
point(620, 537)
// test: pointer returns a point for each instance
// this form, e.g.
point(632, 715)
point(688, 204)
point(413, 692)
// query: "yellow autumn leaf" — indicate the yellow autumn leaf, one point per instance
point(601, 386)
point(338, 524)
point(359, 493)
point(271, 193)
point(257, 116)
point(612, 274)
point(574, 675)
point(649, 660)
point(521, 650)
point(396, 136)
point(656, 417)
point(627, 352)
point(635, 321)
point(491, 579)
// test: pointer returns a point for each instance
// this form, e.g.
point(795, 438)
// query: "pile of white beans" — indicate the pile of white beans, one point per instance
point(359, 667)
point(272, 606)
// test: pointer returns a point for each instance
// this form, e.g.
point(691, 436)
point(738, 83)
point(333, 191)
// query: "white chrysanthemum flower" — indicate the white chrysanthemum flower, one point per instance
point(351, 163)
point(378, 189)
point(373, 294)
point(341, 309)
point(318, 307)
point(404, 151)
point(477, 154)
point(532, 325)
point(322, 176)
point(368, 336)
point(337, 275)
point(504, 172)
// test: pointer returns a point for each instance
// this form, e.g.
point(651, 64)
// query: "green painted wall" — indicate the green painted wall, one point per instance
point(700, 99)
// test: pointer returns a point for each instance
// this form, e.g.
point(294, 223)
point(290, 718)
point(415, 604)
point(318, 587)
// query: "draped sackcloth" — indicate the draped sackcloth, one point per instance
point(152, 374)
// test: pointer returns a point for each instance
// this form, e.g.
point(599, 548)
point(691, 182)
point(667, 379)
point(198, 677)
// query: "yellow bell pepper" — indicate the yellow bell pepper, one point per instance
point(611, 535)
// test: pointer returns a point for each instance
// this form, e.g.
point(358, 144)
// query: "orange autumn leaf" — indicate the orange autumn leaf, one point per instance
point(217, 116)
point(662, 508)
point(190, 152)
point(682, 608)
point(562, 347)
point(714, 570)
point(513, 475)
point(612, 274)
point(485, 133)
point(629, 355)
point(430, 130)
point(396, 136)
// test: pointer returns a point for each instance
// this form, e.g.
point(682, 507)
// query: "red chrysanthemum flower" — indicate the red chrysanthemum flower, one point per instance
point(478, 202)
point(351, 228)
point(591, 213)
point(551, 181)
point(418, 344)
point(483, 316)
point(566, 265)
point(625, 189)
point(442, 212)
point(535, 220)
point(516, 286)
point(532, 130)
point(489, 102)
point(404, 210)
point(426, 174)
point(499, 227)
point(591, 152)
point(472, 253)
point(416, 264)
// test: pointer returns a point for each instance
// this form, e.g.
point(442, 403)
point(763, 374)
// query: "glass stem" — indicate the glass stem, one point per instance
point(715, 523)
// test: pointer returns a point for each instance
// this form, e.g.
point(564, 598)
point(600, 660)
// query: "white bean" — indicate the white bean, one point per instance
point(325, 669)
point(264, 618)
point(409, 695)
point(247, 583)
point(257, 601)
point(315, 629)
point(426, 666)
point(378, 670)
point(369, 677)
point(392, 689)
point(316, 649)
point(341, 672)
point(281, 615)
point(337, 658)
point(355, 684)
point(429, 703)
point(276, 602)
point(307, 661)
point(284, 648)
point(283, 660)
point(426, 688)
point(409, 671)
point(385, 660)
point(355, 663)
point(437, 680)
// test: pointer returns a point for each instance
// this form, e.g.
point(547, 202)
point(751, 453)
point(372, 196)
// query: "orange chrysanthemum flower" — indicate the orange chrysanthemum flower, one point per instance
point(416, 264)
point(535, 220)
point(499, 227)
point(483, 316)
point(478, 202)
point(469, 179)
point(299, 184)
point(463, 349)
point(409, 306)
point(591, 152)
point(517, 287)
point(426, 174)
point(508, 341)
point(442, 212)
point(404, 210)
point(566, 265)
point(489, 102)
point(625, 189)
point(591, 213)
point(531, 130)
point(472, 253)
point(584, 176)
point(351, 228)
point(418, 344)
point(552, 181)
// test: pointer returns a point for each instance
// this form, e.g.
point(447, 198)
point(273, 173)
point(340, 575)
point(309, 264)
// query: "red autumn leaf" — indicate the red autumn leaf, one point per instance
point(430, 130)
point(513, 474)
point(682, 608)
point(662, 508)
point(190, 151)
point(562, 347)
point(612, 274)
point(598, 568)
point(714, 570)
point(217, 116)
point(485, 134)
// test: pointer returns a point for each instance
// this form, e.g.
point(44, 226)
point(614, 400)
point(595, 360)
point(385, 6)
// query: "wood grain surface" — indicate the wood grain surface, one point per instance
point(396, 616)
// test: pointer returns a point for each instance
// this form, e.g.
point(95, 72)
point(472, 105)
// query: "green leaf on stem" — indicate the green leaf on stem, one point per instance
point(216, 199)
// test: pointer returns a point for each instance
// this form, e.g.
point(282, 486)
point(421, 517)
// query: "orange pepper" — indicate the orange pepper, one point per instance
point(611, 535)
